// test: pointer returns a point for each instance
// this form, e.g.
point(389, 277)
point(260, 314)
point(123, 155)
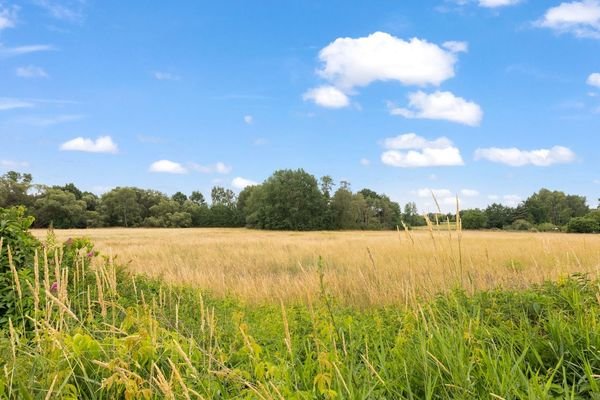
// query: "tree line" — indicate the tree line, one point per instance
point(543, 211)
point(287, 200)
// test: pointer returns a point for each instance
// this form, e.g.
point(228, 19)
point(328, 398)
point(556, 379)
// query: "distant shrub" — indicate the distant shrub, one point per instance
point(521, 225)
point(583, 225)
point(547, 227)
point(473, 219)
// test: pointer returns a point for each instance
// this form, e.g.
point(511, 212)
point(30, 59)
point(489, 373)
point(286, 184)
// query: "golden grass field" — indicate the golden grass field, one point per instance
point(361, 268)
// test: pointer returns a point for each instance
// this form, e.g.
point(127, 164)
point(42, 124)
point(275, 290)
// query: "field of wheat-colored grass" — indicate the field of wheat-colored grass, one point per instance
point(361, 268)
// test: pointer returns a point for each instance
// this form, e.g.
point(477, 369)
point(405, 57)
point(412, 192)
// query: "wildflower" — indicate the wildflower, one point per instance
point(90, 254)
point(54, 288)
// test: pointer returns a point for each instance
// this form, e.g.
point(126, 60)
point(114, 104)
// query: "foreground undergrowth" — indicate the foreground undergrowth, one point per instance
point(81, 327)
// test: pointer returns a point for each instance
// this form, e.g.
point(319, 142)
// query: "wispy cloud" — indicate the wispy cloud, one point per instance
point(53, 101)
point(469, 192)
point(8, 17)
point(103, 144)
point(65, 10)
point(31, 71)
point(10, 164)
point(517, 158)
point(534, 72)
point(7, 103)
point(149, 139)
point(248, 119)
point(50, 120)
point(165, 76)
point(240, 96)
point(27, 49)
point(219, 168)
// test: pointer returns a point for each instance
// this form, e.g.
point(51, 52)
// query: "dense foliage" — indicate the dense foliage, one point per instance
point(544, 211)
point(289, 199)
point(17, 250)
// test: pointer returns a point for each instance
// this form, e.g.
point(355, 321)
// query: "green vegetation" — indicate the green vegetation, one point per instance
point(544, 211)
point(83, 328)
point(288, 200)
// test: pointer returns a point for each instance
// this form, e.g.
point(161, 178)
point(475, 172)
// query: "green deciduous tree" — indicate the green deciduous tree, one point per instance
point(121, 207)
point(60, 209)
point(473, 219)
point(14, 189)
point(289, 199)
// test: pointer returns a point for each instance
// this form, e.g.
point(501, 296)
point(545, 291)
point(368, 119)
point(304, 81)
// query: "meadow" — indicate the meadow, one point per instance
point(362, 267)
point(238, 314)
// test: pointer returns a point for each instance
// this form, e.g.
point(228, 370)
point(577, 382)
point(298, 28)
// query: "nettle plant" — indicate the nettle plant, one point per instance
point(17, 251)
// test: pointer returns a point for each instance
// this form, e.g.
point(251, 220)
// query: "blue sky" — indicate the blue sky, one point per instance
point(487, 99)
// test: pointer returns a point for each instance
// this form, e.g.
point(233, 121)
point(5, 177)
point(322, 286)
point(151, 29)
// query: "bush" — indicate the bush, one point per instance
point(473, 219)
point(583, 225)
point(14, 233)
point(547, 227)
point(521, 225)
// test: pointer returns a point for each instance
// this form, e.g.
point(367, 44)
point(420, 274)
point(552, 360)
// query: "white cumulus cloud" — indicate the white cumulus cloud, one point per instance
point(248, 119)
point(31, 71)
point(327, 96)
point(411, 151)
point(103, 144)
point(354, 62)
point(440, 105)
point(240, 183)
point(580, 18)
point(594, 79)
point(517, 158)
point(167, 166)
